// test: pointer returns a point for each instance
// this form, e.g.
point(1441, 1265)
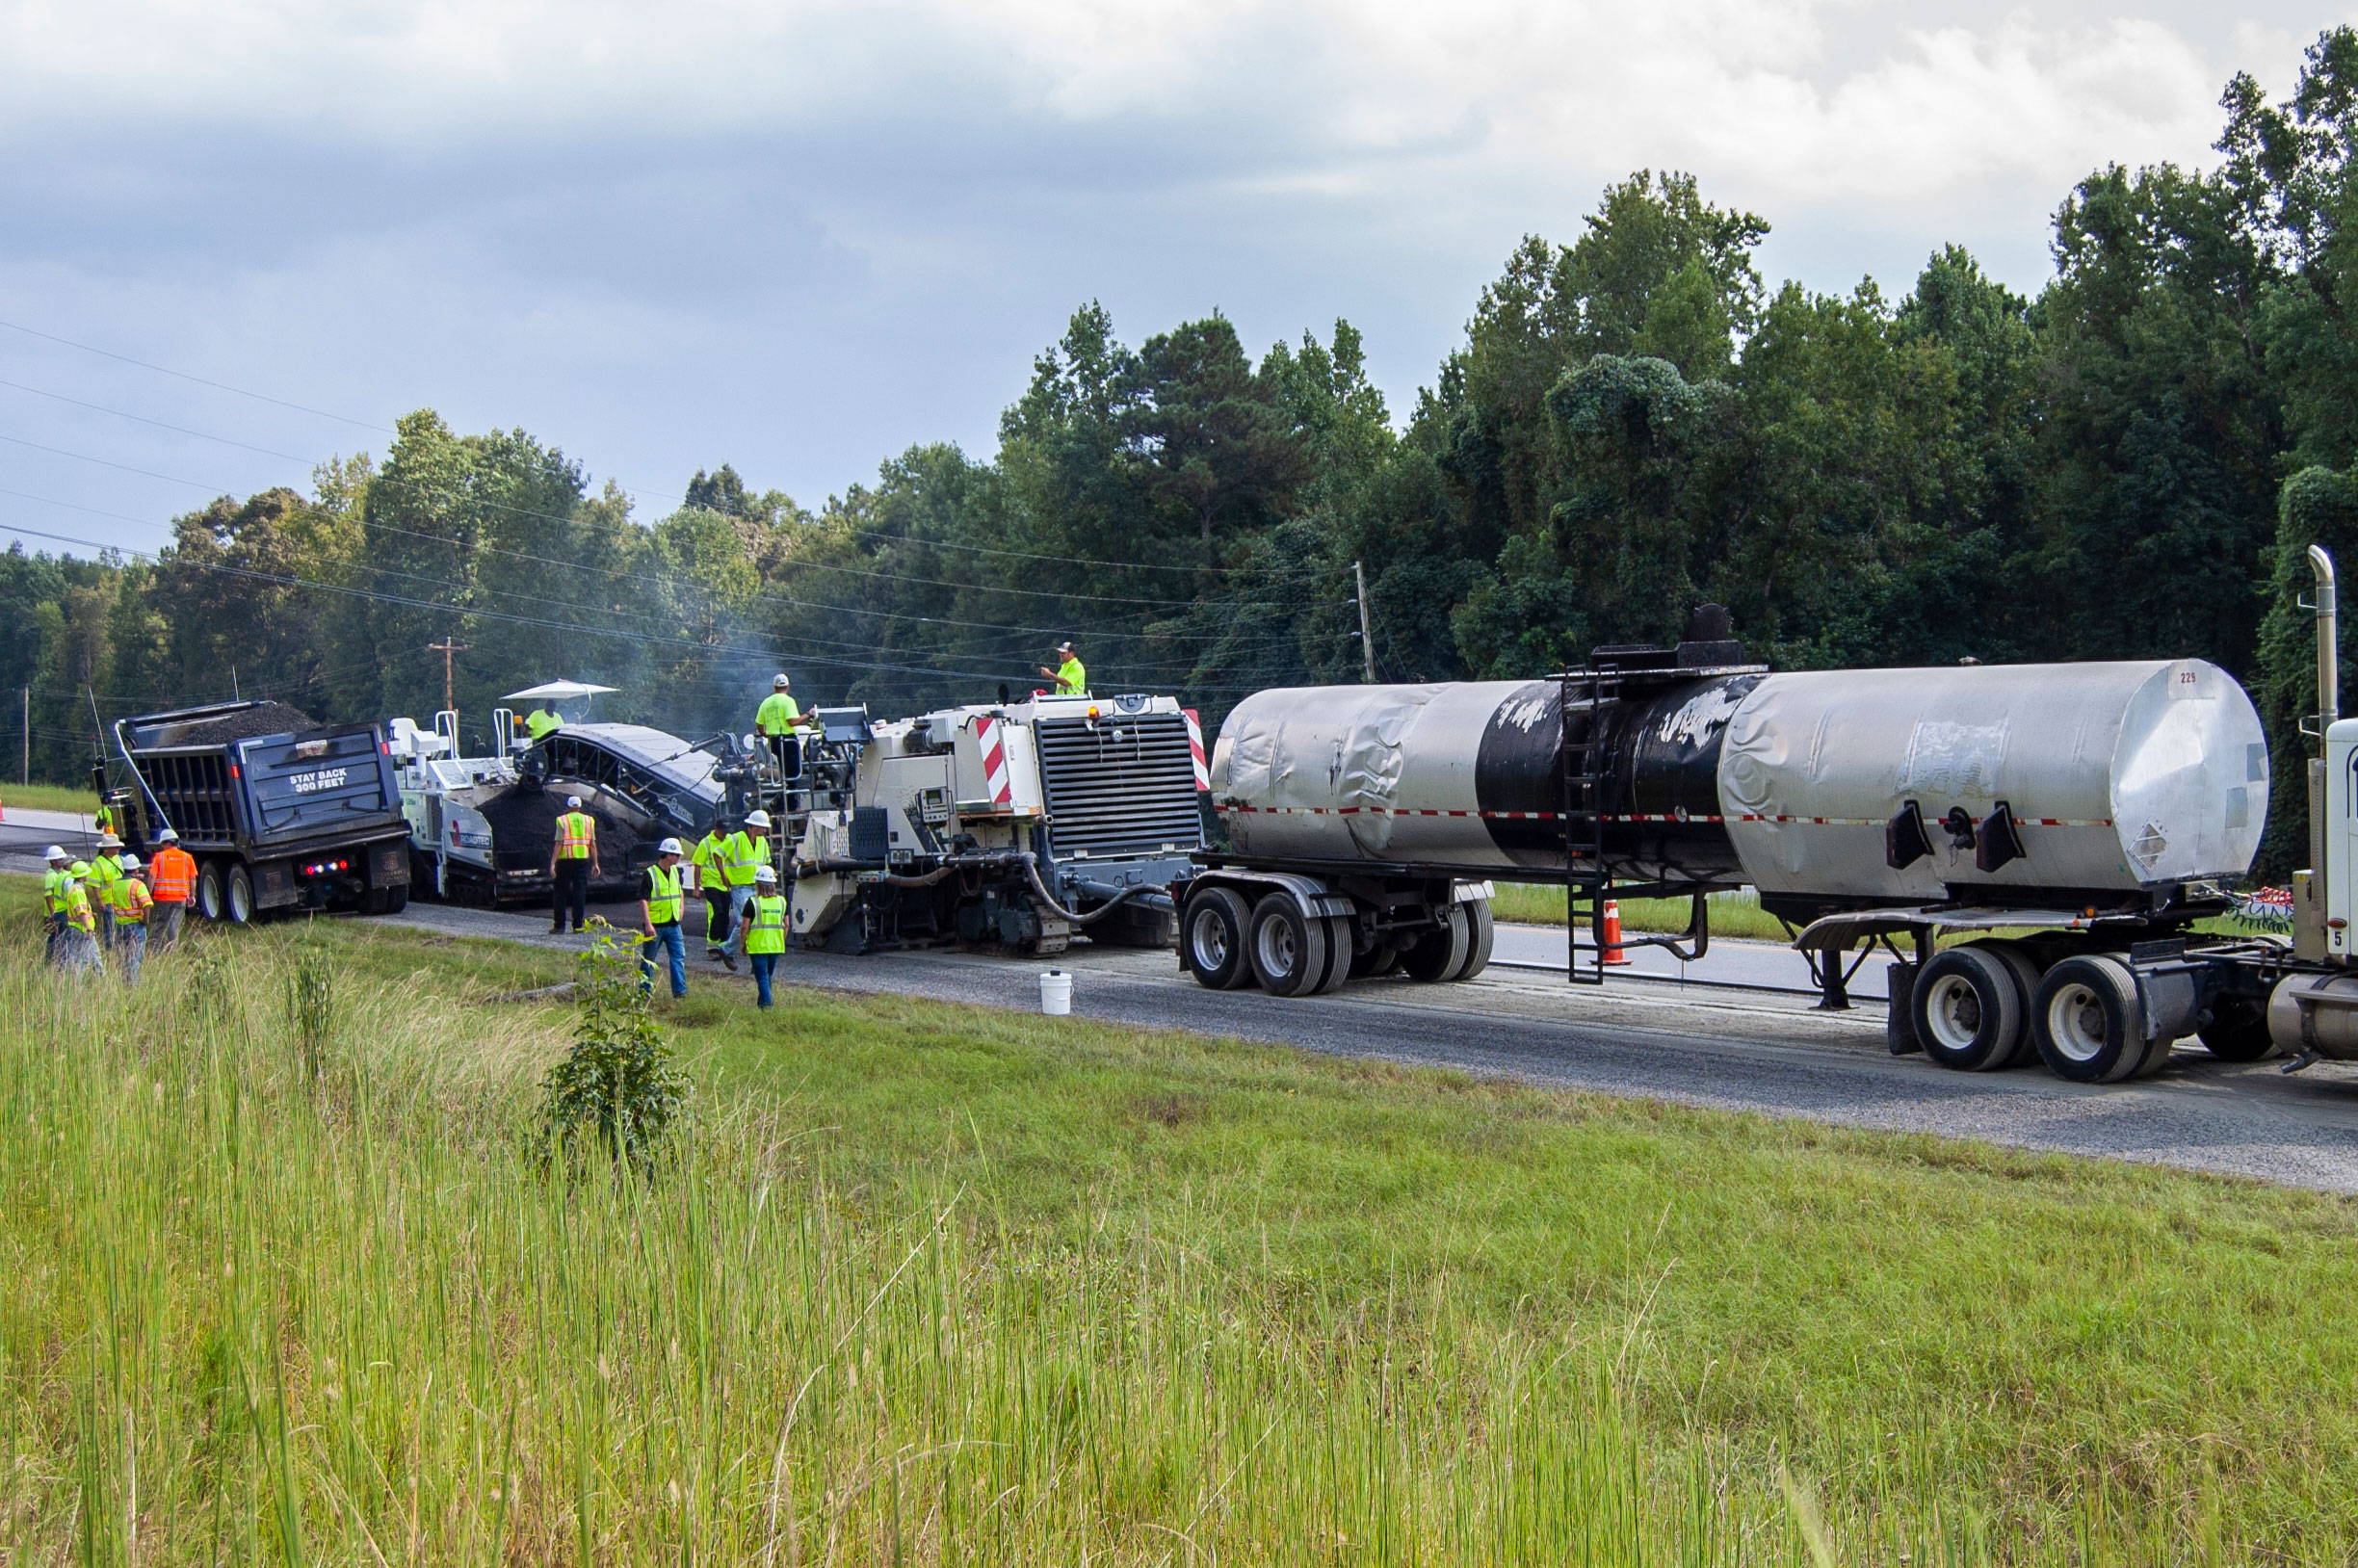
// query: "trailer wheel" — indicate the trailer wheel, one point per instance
point(212, 901)
point(1441, 954)
point(2025, 972)
point(1485, 932)
point(1968, 1008)
point(1215, 935)
point(1289, 948)
point(1380, 960)
point(240, 896)
point(2237, 1029)
point(2087, 1022)
point(1339, 946)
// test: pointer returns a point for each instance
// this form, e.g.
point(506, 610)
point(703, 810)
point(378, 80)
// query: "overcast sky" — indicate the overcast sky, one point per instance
point(798, 237)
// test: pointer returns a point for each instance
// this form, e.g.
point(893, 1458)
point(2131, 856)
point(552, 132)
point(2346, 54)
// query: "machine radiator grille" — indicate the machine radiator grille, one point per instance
point(1126, 787)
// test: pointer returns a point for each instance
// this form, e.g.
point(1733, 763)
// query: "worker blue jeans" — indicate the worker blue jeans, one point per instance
point(130, 947)
point(667, 938)
point(765, 964)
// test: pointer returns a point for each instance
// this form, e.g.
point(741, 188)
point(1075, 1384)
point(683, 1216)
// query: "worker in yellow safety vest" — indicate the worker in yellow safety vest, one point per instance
point(573, 860)
point(104, 872)
point(658, 908)
point(1071, 680)
point(56, 880)
point(743, 854)
point(542, 723)
point(763, 936)
point(712, 881)
point(127, 900)
point(78, 950)
point(777, 720)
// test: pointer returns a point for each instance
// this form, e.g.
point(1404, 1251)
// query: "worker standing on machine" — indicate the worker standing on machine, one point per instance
point(777, 720)
point(128, 901)
point(542, 723)
point(762, 936)
point(573, 860)
point(55, 882)
point(709, 869)
point(659, 907)
point(1071, 679)
point(743, 855)
point(171, 878)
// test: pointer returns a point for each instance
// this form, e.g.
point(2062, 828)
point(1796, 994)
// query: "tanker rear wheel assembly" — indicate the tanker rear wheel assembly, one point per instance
point(1214, 931)
point(1289, 948)
point(1971, 1006)
point(2089, 1025)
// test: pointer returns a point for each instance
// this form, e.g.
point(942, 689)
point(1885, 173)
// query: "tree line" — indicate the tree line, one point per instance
point(2130, 464)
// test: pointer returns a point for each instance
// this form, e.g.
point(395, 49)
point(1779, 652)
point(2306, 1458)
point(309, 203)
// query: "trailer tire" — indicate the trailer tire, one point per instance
point(1288, 946)
point(1380, 960)
point(1339, 955)
point(240, 896)
point(1485, 932)
point(212, 900)
point(2237, 1029)
point(1441, 954)
point(1215, 935)
point(1967, 1006)
point(2025, 972)
point(2087, 1022)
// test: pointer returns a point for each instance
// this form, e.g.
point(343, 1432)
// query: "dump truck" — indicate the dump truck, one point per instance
point(281, 812)
point(1014, 825)
point(2077, 822)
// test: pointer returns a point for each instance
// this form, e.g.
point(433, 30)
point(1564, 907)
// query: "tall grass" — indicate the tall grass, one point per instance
point(288, 1284)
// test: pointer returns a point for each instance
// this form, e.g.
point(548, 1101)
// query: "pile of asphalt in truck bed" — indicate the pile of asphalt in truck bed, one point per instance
point(262, 718)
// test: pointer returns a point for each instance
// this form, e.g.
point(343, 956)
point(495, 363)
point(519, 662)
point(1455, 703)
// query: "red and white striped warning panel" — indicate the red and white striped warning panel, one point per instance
point(1621, 817)
point(1203, 770)
point(991, 735)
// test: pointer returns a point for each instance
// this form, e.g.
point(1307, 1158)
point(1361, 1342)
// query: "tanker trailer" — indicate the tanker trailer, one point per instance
point(2100, 807)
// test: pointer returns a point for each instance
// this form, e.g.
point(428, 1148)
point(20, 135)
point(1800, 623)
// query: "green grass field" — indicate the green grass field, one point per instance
point(943, 1284)
point(48, 797)
point(1732, 914)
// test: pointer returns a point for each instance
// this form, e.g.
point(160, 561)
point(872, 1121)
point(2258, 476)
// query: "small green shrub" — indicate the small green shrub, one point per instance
point(617, 1084)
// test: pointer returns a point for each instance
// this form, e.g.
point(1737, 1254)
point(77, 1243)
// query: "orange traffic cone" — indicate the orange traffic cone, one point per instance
point(1612, 933)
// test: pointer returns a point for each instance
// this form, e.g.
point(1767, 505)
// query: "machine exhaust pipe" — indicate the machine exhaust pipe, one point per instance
point(2308, 886)
point(2329, 652)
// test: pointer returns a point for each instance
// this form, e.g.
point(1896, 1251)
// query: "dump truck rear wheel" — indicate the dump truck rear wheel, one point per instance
point(240, 896)
point(212, 900)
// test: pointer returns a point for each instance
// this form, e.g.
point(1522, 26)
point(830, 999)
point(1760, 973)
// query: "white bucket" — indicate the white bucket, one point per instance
point(1056, 993)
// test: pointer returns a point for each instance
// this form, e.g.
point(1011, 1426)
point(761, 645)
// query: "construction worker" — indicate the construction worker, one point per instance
point(573, 860)
point(743, 854)
point(542, 723)
point(1071, 680)
point(762, 936)
point(659, 907)
point(78, 948)
point(103, 874)
point(104, 822)
point(777, 720)
point(128, 900)
point(712, 881)
point(171, 878)
point(54, 882)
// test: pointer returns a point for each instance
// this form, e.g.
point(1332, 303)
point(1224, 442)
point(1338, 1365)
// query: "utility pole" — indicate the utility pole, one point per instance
point(1367, 644)
point(448, 646)
point(28, 744)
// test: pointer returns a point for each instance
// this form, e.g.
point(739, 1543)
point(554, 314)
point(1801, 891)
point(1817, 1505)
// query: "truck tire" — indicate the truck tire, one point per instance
point(397, 900)
point(1967, 1006)
point(212, 898)
point(1288, 946)
point(1485, 933)
point(1380, 960)
point(2237, 1029)
point(1214, 937)
point(2087, 1022)
point(1900, 1010)
point(2027, 972)
point(1339, 953)
point(1441, 954)
point(240, 896)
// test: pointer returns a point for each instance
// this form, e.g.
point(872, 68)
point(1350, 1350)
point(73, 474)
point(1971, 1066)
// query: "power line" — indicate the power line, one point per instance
point(183, 430)
point(218, 386)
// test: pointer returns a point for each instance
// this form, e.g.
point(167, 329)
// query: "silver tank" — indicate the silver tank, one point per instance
point(2122, 776)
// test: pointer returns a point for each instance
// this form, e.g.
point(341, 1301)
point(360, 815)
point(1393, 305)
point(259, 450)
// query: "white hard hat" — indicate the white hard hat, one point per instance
point(758, 819)
point(129, 862)
point(765, 874)
point(573, 800)
point(669, 847)
point(55, 852)
point(168, 836)
point(782, 683)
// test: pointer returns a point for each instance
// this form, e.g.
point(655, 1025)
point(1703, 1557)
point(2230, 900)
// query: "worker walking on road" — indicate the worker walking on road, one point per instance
point(1071, 679)
point(659, 907)
point(128, 900)
point(777, 720)
point(55, 882)
point(709, 869)
point(78, 948)
point(762, 937)
point(171, 878)
point(573, 860)
point(103, 874)
point(743, 855)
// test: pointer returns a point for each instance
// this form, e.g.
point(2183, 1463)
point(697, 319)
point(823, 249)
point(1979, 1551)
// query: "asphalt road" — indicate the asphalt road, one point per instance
point(1735, 1050)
